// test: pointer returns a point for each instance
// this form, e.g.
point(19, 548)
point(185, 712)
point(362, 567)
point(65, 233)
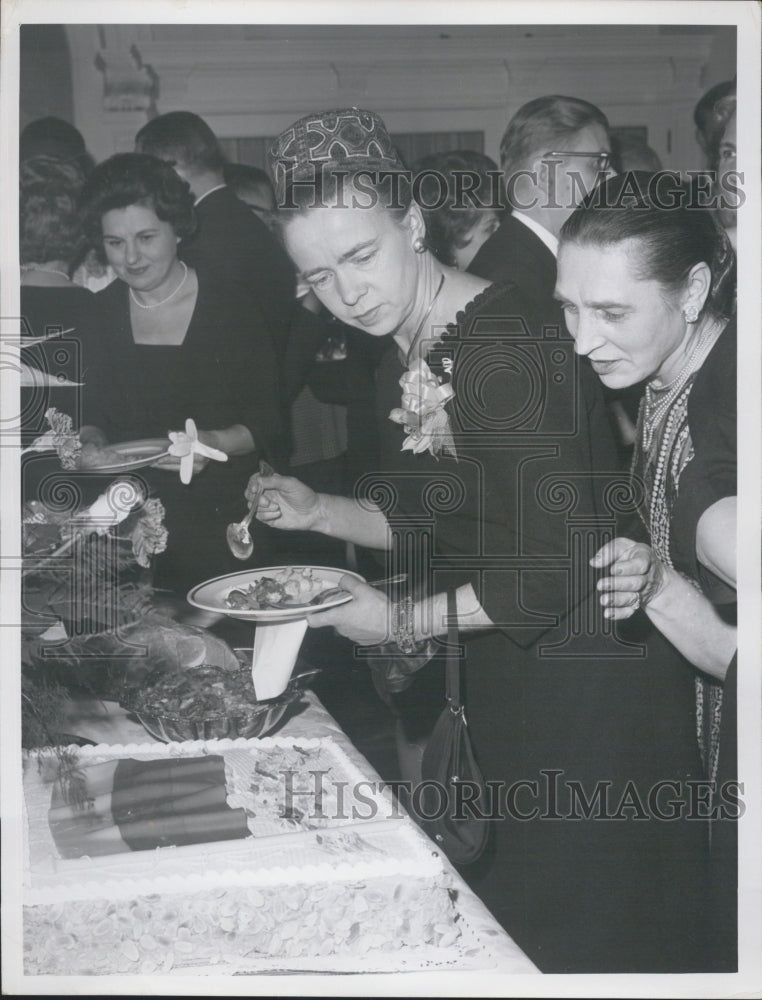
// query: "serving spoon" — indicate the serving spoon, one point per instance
point(237, 534)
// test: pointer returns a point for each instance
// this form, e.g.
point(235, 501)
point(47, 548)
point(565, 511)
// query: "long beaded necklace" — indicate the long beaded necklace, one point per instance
point(658, 401)
point(675, 451)
point(421, 325)
point(155, 305)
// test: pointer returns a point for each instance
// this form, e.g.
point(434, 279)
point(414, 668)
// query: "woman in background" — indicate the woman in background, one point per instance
point(176, 346)
point(51, 241)
point(465, 205)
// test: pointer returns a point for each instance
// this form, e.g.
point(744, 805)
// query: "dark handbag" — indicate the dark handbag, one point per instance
point(451, 777)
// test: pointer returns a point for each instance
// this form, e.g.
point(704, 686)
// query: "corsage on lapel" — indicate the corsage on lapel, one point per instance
point(424, 398)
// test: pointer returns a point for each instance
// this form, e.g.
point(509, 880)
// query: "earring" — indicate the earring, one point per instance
point(419, 245)
point(691, 313)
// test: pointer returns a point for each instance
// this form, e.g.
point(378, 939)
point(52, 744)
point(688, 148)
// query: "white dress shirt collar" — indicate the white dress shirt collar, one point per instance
point(207, 193)
point(550, 241)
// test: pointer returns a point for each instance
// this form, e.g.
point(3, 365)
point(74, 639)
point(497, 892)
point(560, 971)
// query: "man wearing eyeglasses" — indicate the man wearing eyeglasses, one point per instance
point(554, 152)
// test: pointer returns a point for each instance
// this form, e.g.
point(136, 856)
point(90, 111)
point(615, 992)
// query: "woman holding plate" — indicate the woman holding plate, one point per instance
point(174, 346)
point(503, 477)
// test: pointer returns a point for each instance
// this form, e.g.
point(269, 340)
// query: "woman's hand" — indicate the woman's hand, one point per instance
point(171, 463)
point(284, 502)
point(636, 576)
point(365, 620)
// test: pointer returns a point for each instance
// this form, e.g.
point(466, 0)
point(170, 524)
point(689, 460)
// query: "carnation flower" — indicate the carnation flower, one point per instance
point(149, 536)
point(424, 398)
point(61, 438)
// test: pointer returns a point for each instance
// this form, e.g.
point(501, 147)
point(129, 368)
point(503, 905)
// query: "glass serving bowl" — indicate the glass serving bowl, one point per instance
point(206, 703)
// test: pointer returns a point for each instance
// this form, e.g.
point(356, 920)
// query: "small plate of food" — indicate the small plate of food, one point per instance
point(273, 593)
point(121, 457)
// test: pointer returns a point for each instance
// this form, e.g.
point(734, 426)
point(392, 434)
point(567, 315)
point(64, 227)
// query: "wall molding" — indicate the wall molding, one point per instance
point(638, 76)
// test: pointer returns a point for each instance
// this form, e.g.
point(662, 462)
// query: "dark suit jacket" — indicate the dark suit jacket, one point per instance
point(514, 253)
point(232, 245)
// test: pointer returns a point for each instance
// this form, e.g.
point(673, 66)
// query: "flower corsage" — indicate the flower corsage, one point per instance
point(422, 414)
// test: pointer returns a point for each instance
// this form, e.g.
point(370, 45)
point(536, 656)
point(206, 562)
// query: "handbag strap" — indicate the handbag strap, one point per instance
point(452, 671)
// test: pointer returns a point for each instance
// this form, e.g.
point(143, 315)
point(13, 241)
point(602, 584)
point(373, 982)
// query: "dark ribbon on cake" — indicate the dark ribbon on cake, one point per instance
point(147, 804)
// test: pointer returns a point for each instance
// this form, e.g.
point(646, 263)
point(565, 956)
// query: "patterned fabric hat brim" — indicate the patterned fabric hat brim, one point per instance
point(345, 137)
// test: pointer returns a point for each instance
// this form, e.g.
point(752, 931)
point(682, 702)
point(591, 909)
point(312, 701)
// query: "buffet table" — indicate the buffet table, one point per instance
point(106, 722)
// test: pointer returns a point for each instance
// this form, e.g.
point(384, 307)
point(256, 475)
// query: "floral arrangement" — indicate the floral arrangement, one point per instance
point(66, 442)
point(49, 533)
point(86, 574)
point(424, 398)
point(61, 438)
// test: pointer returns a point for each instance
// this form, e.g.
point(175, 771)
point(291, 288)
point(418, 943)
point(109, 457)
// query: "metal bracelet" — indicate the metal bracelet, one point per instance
point(403, 626)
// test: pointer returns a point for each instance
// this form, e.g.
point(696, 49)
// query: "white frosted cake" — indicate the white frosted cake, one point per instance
point(130, 871)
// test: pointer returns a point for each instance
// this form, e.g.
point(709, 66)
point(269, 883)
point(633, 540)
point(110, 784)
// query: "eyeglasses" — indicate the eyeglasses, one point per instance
point(603, 160)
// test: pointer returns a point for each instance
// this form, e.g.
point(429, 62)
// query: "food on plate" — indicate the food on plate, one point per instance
point(93, 457)
point(283, 589)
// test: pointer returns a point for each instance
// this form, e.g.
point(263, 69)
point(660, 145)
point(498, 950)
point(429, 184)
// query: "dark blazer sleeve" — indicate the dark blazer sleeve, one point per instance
point(538, 468)
point(232, 245)
point(243, 385)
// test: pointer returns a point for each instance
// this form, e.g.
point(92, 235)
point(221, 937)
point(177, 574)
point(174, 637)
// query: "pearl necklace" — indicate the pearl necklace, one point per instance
point(45, 270)
point(654, 409)
point(155, 305)
point(426, 315)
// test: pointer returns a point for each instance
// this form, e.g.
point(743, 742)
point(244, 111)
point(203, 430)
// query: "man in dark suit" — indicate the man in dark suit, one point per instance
point(554, 152)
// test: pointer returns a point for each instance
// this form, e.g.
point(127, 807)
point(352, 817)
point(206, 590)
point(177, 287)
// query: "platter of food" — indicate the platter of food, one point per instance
point(205, 702)
point(273, 593)
point(121, 457)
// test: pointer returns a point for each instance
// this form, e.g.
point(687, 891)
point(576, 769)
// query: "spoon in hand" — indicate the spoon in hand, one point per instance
point(237, 534)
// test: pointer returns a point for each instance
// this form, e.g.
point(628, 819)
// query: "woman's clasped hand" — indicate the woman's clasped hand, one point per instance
point(636, 576)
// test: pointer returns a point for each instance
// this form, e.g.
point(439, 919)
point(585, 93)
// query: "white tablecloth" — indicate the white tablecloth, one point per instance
point(106, 722)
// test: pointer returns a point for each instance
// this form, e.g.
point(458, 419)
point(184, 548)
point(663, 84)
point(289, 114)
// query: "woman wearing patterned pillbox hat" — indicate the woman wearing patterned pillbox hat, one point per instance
point(505, 467)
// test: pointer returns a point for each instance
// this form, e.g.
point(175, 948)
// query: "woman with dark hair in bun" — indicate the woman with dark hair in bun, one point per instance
point(649, 296)
point(175, 345)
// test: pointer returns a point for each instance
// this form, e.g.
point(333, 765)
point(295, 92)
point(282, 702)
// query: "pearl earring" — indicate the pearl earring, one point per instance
point(691, 313)
point(419, 245)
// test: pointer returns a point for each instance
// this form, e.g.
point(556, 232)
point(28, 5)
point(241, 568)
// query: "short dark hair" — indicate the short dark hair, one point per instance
point(669, 241)
point(242, 177)
point(54, 137)
point(704, 110)
point(542, 124)
point(136, 179)
point(450, 217)
point(49, 223)
point(182, 138)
